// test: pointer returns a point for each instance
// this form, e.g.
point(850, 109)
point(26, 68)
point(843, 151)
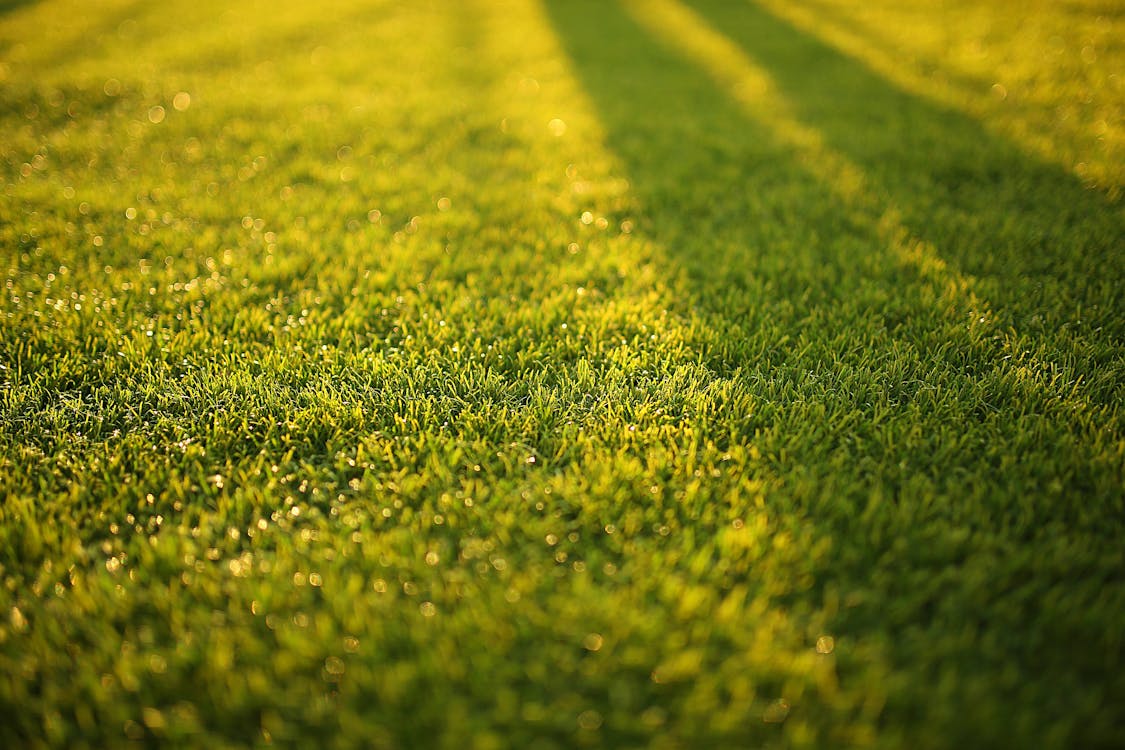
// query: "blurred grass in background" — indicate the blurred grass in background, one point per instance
point(507, 374)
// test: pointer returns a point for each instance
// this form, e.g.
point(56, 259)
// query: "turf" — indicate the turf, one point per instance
point(494, 374)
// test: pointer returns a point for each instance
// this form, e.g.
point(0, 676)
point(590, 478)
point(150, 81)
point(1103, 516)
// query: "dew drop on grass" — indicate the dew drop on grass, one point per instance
point(776, 712)
point(153, 719)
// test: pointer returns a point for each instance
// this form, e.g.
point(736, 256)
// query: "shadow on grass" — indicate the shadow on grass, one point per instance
point(1019, 245)
point(876, 390)
point(1044, 249)
point(8, 6)
point(991, 209)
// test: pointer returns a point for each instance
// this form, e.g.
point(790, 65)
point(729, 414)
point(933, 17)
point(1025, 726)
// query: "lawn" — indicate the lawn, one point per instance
point(562, 373)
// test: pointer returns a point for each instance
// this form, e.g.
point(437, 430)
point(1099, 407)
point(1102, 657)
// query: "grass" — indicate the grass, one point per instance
point(518, 374)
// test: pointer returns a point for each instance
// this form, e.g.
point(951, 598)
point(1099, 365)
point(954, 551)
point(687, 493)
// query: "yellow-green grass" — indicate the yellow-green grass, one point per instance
point(506, 373)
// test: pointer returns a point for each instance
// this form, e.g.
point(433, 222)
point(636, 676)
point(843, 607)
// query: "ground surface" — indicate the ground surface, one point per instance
point(505, 374)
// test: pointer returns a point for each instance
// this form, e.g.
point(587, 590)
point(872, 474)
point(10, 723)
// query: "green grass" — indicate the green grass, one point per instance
point(512, 374)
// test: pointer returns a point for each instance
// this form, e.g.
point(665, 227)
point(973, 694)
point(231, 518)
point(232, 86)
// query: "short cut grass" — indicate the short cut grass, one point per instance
point(506, 373)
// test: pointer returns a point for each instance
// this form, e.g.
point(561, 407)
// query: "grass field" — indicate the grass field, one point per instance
point(559, 373)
